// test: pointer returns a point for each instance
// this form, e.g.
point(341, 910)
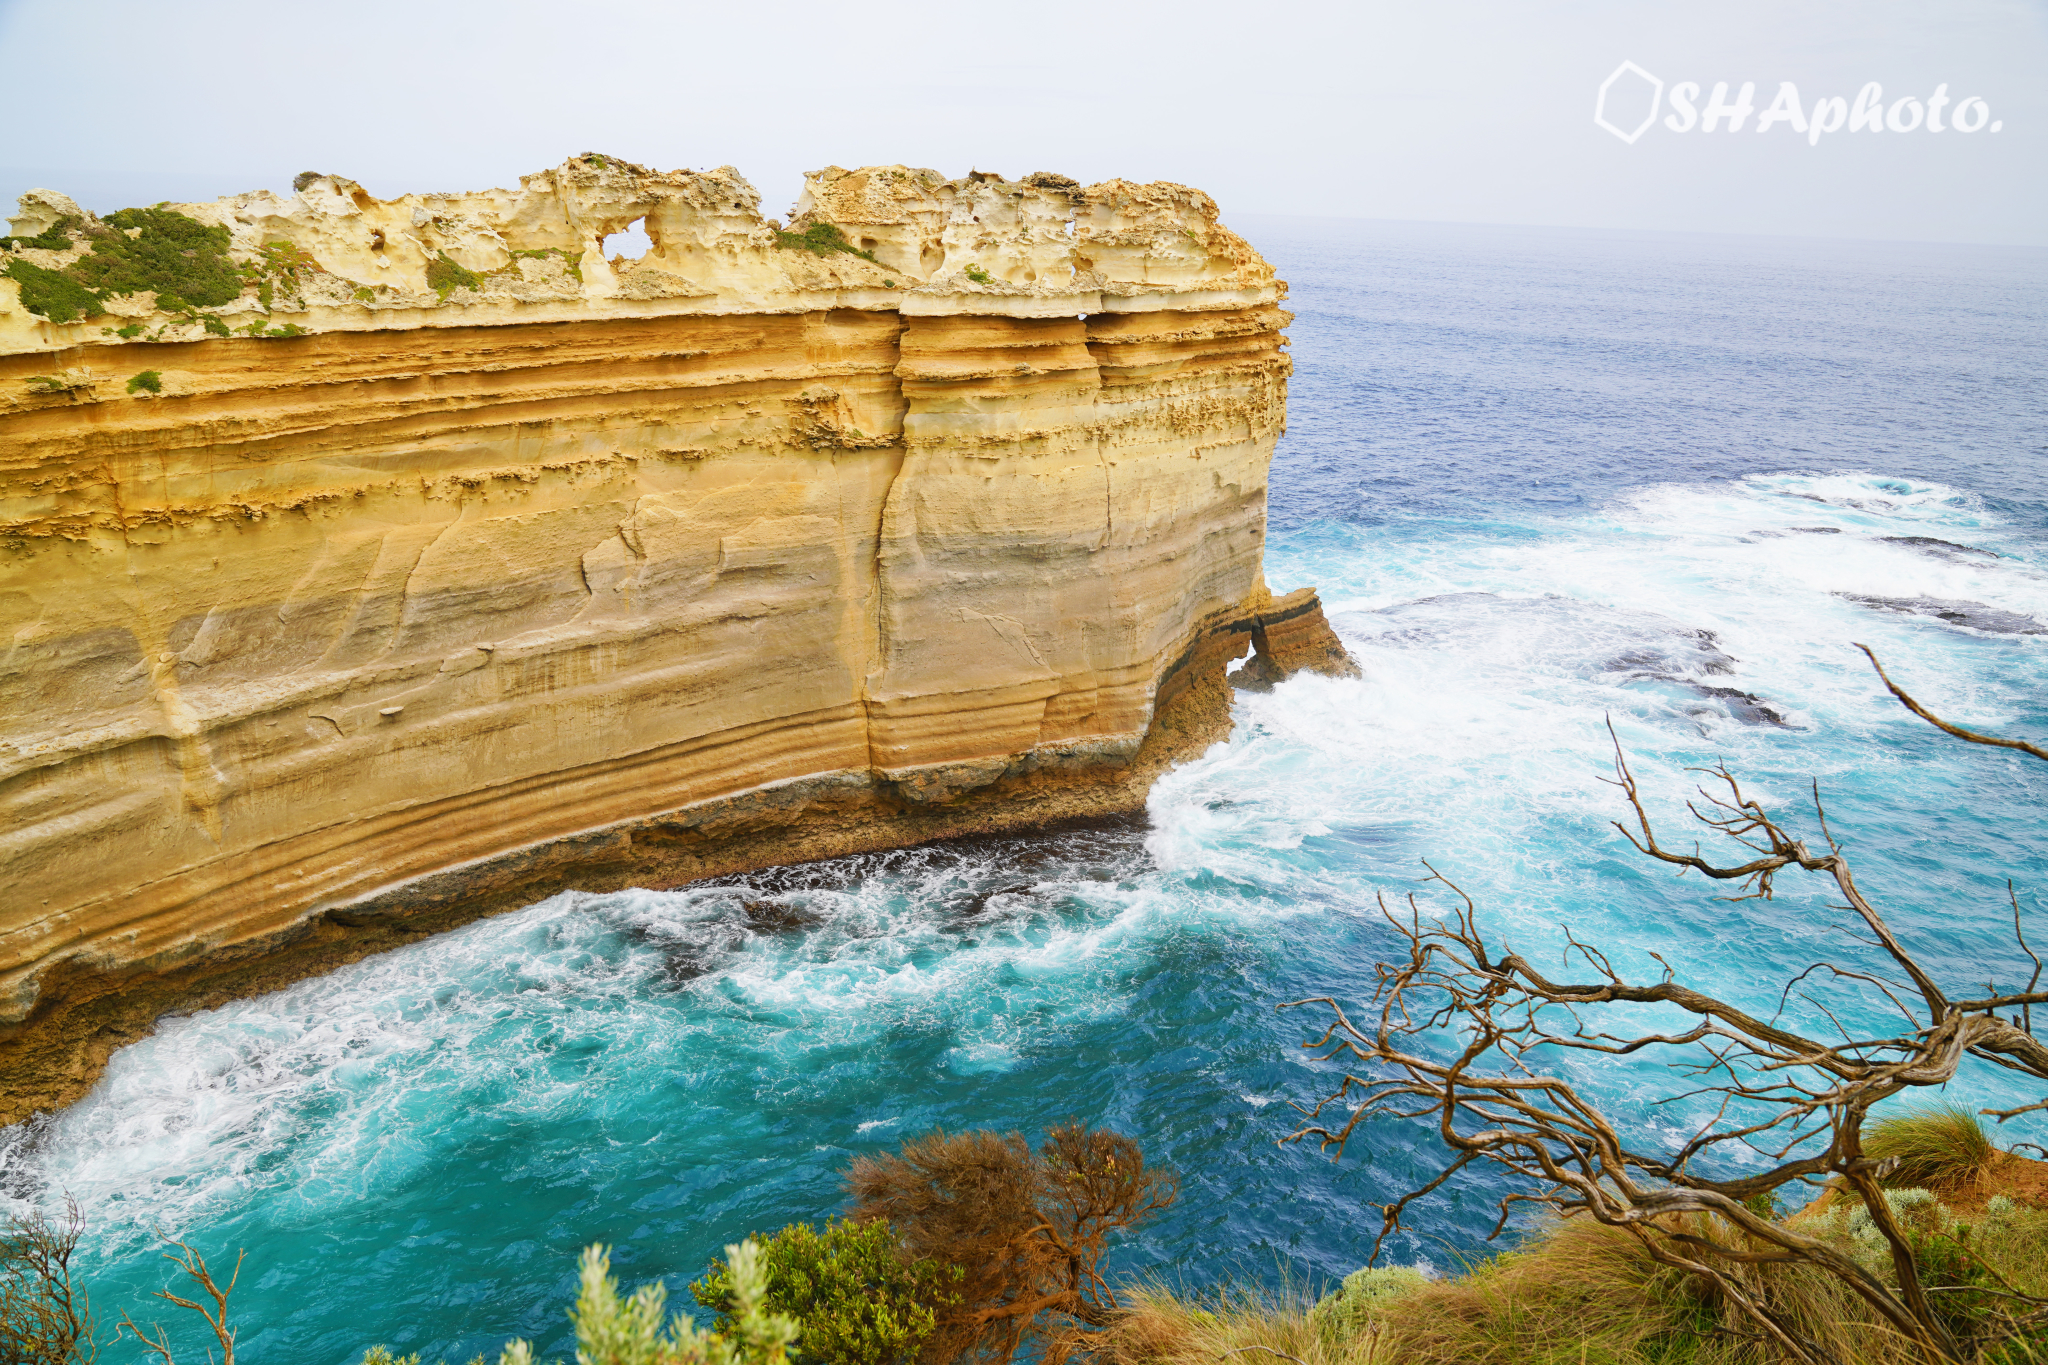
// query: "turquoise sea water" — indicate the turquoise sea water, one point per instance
point(1542, 478)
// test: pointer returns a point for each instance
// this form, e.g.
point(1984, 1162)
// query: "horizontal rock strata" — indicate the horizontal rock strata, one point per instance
point(446, 563)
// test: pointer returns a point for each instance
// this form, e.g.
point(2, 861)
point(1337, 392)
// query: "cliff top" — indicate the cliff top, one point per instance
point(333, 257)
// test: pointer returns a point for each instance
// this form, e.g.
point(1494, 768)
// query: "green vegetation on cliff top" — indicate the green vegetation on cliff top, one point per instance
point(821, 239)
point(183, 261)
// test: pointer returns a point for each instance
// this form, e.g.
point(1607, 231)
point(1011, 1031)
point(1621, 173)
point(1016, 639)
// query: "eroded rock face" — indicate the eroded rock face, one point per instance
point(471, 566)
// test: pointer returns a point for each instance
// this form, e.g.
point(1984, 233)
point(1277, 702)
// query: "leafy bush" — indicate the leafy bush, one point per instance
point(821, 239)
point(1943, 1146)
point(1029, 1229)
point(182, 259)
point(444, 276)
point(615, 1331)
point(1969, 1270)
point(52, 293)
point(381, 1355)
point(149, 381)
point(856, 1299)
point(279, 267)
point(611, 1330)
point(55, 237)
point(1347, 1311)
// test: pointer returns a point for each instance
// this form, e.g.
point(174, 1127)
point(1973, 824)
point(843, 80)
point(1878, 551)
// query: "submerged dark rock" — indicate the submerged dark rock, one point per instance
point(1746, 707)
point(1706, 655)
point(1972, 615)
point(975, 905)
point(687, 965)
point(778, 917)
point(1941, 549)
point(1612, 645)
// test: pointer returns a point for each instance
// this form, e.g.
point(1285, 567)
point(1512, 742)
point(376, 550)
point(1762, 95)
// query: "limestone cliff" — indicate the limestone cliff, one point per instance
point(367, 565)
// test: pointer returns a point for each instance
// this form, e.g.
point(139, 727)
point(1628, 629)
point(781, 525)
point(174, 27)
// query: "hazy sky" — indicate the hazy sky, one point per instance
point(1446, 110)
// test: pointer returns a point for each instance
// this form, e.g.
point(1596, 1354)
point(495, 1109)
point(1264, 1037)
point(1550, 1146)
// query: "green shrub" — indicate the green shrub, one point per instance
point(611, 1330)
point(855, 1299)
point(615, 1331)
point(55, 237)
point(1366, 1291)
point(1028, 1229)
point(444, 276)
point(182, 259)
point(1764, 1204)
point(978, 275)
point(1944, 1146)
point(149, 381)
point(821, 239)
point(278, 265)
point(53, 294)
point(572, 261)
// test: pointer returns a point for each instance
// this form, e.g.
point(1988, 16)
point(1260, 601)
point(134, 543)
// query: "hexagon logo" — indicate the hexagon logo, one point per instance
point(1625, 98)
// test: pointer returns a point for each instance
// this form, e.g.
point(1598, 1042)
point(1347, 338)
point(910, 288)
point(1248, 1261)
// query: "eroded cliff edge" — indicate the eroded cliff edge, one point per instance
point(385, 563)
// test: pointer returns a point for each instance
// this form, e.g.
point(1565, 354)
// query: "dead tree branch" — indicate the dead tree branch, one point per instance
point(194, 1266)
point(1938, 723)
point(44, 1317)
point(1468, 1034)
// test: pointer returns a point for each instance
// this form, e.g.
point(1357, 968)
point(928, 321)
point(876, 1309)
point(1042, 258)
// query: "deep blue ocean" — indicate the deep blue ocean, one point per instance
point(1542, 478)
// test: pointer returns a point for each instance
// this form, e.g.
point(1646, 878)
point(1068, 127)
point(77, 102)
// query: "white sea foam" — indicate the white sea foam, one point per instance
point(1477, 737)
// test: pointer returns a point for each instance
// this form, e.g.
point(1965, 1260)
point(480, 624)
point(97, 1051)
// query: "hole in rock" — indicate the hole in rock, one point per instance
point(629, 245)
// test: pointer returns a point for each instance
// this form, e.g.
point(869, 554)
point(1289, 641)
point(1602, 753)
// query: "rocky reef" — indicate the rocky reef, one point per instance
point(369, 565)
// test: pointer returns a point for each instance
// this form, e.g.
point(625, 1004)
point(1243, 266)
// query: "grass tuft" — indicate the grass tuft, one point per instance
point(1159, 1327)
point(1582, 1293)
point(1944, 1147)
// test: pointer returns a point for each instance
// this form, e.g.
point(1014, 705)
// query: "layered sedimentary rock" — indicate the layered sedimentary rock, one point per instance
point(383, 563)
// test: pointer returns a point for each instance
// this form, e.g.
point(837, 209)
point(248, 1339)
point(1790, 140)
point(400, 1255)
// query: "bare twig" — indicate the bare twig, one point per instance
point(1462, 1025)
point(43, 1315)
point(1938, 723)
point(194, 1265)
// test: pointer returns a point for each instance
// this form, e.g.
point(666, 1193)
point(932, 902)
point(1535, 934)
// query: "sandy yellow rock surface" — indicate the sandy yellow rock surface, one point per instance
point(593, 572)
